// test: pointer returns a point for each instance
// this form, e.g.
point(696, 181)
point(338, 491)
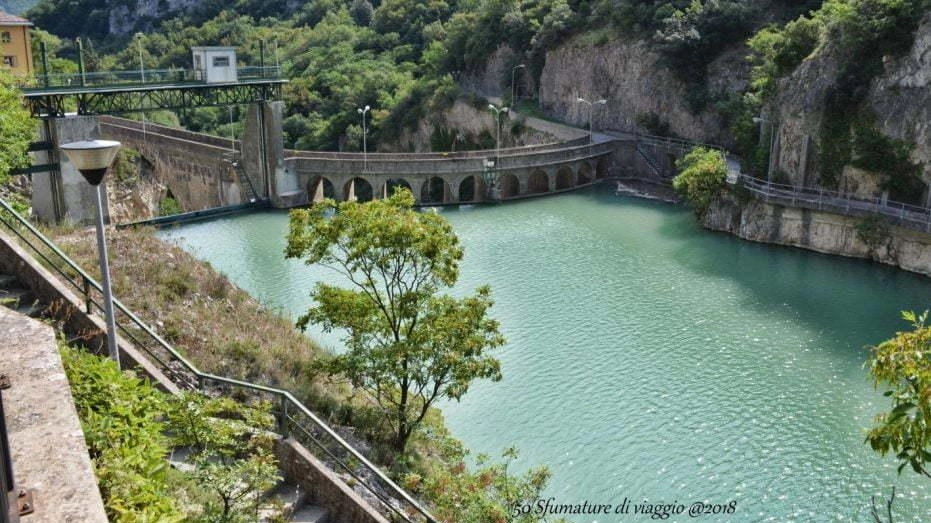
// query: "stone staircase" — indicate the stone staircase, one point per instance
point(285, 499)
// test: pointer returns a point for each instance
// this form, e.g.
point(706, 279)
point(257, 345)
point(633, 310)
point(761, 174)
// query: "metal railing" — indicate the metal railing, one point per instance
point(293, 417)
point(138, 77)
point(906, 215)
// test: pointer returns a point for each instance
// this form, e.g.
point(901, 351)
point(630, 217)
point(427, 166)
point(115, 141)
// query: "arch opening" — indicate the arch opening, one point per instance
point(601, 168)
point(359, 189)
point(319, 188)
point(508, 186)
point(434, 191)
point(538, 183)
point(472, 189)
point(585, 174)
point(563, 178)
point(397, 183)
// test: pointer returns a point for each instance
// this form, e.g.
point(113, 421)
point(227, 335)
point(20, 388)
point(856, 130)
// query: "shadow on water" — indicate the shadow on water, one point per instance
point(817, 289)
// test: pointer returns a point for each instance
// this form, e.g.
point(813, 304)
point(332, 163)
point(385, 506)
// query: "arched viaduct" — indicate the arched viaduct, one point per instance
point(437, 178)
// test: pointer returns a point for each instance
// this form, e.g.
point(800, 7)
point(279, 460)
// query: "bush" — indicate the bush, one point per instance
point(121, 417)
point(702, 175)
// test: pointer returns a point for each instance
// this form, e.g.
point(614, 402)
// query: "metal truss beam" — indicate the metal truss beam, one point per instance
point(56, 103)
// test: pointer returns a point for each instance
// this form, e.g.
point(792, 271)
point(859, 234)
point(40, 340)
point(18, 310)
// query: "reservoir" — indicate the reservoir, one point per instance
point(650, 359)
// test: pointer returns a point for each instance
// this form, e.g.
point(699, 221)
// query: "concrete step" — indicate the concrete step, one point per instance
point(284, 499)
point(310, 514)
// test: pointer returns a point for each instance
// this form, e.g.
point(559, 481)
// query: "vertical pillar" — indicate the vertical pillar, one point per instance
point(64, 196)
point(263, 152)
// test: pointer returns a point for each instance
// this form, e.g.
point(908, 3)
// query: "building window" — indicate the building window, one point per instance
point(9, 61)
point(6, 37)
point(221, 61)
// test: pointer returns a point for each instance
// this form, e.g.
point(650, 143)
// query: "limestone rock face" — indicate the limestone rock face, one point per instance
point(632, 78)
point(817, 231)
point(468, 120)
point(124, 18)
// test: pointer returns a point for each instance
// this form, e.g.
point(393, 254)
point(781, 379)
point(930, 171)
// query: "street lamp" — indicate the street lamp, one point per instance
point(365, 148)
point(513, 71)
point(498, 112)
point(591, 110)
point(92, 158)
point(772, 136)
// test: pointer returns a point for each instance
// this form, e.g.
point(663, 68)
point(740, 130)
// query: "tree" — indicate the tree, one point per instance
point(904, 365)
point(16, 127)
point(702, 174)
point(407, 344)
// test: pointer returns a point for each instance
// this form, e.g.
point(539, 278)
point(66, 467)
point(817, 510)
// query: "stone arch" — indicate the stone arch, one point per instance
point(508, 186)
point(601, 168)
point(563, 178)
point(363, 189)
point(396, 183)
point(434, 191)
point(314, 189)
point(585, 174)
point(472, 189)
point(538, 182)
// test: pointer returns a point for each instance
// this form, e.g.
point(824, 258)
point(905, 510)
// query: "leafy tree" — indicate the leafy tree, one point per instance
point(16, 127)
point(903, 365)
point(407, 344)
point(494, 492)
point(702, 174)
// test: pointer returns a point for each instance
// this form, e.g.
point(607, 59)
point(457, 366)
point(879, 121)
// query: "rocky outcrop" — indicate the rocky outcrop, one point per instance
point(630, 75)
point(133, 193)
point(127, 16)
point(817, 231)
point(471, 123)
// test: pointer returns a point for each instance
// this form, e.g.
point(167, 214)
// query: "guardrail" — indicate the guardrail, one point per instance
point(293, 417)
point(99, 79)
point(911, 216)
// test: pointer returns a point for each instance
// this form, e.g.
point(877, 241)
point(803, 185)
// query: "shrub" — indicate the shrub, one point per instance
point(702, 175)
point(120, 415)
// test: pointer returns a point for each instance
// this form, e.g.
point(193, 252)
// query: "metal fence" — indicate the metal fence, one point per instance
point(139, 78)
point(906, 215)
point(293, 417)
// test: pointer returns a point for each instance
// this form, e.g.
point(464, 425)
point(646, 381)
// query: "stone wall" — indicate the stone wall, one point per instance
point(822, 232)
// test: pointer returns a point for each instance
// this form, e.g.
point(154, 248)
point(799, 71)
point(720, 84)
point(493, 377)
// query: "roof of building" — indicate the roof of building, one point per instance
point(8, 19)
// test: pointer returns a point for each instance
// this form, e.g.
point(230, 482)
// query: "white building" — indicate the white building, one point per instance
point(214, 64)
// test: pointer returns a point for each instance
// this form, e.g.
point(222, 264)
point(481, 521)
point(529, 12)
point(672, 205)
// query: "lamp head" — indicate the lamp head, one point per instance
point(92, 157)
point(367, 108)
point(757, 119)
point(580, 100)
point(602, 102)
point(492, 107)
point(504, 110)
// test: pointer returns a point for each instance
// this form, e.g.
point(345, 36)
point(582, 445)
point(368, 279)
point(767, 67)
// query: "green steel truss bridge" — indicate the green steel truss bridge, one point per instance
point(120, 92)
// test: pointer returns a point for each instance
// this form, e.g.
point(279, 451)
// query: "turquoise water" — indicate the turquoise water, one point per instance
point(650, 359)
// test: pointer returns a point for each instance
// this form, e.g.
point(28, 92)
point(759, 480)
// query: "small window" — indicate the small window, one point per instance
point(9, 61)
point(221, 61)
point(6, 37)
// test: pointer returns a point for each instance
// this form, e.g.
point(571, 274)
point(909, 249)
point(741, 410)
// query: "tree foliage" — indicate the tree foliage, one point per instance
point(407, 344)
point(903, 365)
point(702, 174)
point(16, 127)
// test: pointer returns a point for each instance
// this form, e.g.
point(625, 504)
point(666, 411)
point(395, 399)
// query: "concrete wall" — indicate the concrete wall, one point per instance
point(322, 485)
point(47, 445)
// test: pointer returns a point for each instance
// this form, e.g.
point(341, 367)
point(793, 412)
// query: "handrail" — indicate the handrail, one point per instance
point(190, 377)
point(911, 216)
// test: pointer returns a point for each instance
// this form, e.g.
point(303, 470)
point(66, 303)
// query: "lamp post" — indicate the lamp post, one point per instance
point(513, 93)
point(772, 135)
point(365, 147)
point(93, 158)
point(139, 37)
point(591, 110)
point(498, 112)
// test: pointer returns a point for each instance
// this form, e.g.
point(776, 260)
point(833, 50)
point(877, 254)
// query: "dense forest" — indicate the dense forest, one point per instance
point(405, 57)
